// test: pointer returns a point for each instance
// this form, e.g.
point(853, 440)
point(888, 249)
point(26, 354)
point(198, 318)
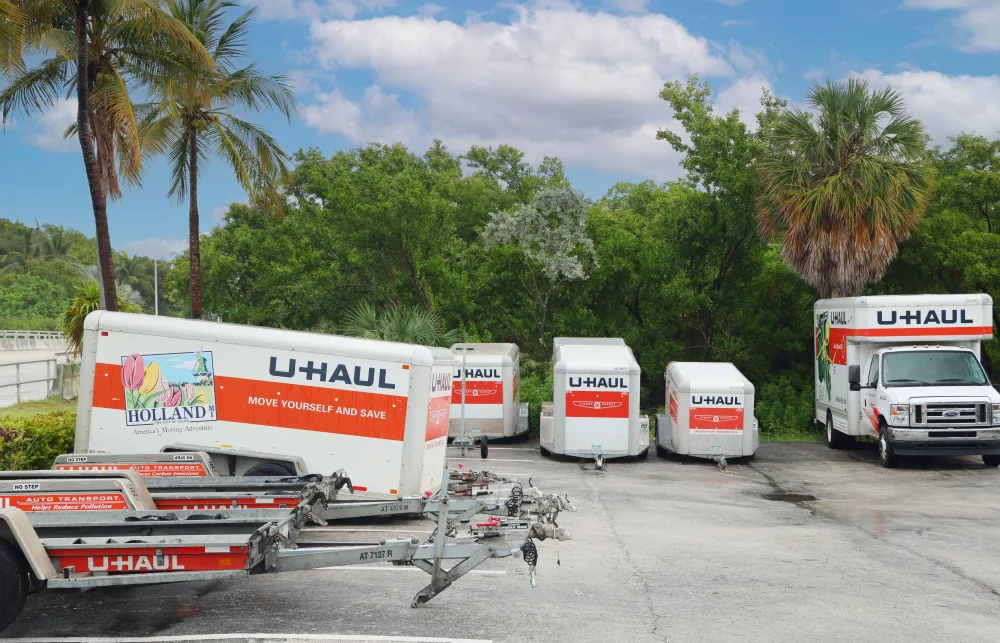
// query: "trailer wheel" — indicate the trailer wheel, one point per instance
point(886, 456)
point(484, 447)
point(991, 460)
point(13, 584)
point(269, 469)
point(545, 452)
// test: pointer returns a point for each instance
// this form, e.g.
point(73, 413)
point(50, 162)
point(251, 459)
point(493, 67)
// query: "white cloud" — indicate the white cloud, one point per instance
point(978, 21)
point(815, 74)
point(429, 10)
point(743, 95)
point(737, 23)
point(629, 6)
point(156, 247)
point(316, 9)
point(731, 3)
point(220, 212)
point(947, 105)
point(561, 81)
point(46, 130)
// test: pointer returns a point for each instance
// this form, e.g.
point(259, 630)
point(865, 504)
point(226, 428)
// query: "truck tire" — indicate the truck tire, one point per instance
point(13, 584)
point(886, 456)
point(270, 468)
point(834, 438)
point(991, 460)
point(484, 447)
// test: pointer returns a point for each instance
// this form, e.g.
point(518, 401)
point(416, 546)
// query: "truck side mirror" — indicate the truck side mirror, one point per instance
point(854, 377)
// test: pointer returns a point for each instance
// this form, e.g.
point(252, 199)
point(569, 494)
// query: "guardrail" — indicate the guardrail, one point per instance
point(30, 334)
point(51, 373)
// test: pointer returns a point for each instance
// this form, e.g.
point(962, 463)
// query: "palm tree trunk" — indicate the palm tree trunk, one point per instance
point(194, 240)
point(109, 296)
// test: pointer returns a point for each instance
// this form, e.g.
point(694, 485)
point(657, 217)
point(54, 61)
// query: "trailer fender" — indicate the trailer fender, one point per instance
point(16, 529)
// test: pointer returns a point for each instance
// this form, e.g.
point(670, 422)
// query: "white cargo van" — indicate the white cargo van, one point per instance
point(709, 412)
point(595, 413)
point(492, 408)
point(905, 370)
point(262, 401)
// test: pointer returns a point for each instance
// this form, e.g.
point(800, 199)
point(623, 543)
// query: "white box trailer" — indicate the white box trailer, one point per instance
point(262, 401)
point(905, 370)
point(709, 412)
point(595, 413)
point(492, 407)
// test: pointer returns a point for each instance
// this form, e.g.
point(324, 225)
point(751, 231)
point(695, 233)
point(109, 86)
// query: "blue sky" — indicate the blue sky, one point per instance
point(573, 79)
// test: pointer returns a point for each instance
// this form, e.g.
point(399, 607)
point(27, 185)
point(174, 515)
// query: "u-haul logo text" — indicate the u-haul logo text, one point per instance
point(478, 373)
point(924, 317)
point(715, 400)
point(330, 373)
point(598, 382)
point(133, 563)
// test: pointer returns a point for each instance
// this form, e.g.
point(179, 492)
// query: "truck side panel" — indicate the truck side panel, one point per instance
point(830, 328)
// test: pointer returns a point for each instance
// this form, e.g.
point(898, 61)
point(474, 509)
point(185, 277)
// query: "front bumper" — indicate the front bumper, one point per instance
point(945, 441)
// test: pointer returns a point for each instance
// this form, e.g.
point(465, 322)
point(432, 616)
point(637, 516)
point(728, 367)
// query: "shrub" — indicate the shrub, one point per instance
point(34, 442)
point(535, 387)
point(785, 412)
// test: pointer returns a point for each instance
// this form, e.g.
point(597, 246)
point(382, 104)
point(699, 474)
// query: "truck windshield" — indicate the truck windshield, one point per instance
point(931, 368)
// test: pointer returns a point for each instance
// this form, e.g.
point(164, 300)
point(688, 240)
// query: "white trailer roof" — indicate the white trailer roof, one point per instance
point(486, 353)
point(592, 353)
point(292, 340)
point(708, 377)
point(885, 301)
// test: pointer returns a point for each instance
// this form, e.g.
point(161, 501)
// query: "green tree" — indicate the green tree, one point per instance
point(20, 248)
point(31, 296)
point(842, 187)
point(111, 40)
point(86, 300)
point(195, 116)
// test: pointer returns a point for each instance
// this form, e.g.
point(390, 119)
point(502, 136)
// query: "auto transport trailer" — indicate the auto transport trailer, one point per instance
point(262, 401)
point(84, 548)
point(710, 412)
point(488, 375)
point(595, 412)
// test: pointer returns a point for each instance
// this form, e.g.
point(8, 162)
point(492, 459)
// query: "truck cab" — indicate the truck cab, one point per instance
point(929, 400)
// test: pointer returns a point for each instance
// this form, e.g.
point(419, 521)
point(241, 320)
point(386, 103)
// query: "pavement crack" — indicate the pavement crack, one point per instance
point(626, 554)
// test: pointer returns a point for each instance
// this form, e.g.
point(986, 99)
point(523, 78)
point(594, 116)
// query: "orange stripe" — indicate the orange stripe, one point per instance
point(921, 332)
point(375, 415)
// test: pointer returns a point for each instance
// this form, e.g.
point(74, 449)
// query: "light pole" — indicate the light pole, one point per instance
point(461, 440)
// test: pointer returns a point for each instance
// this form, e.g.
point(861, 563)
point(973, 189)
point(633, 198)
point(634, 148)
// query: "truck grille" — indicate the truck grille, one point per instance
point(952, 414)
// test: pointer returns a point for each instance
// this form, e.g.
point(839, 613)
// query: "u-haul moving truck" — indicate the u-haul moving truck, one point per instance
point(595, 413)
point(492, 407)
point(709, 412)
point(905, 370)
point(266, 402)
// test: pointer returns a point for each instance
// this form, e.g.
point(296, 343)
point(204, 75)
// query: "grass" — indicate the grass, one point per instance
point(40, 406)
point(792, 436)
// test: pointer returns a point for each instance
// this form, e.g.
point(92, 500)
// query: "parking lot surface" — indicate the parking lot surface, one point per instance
point(662, 550)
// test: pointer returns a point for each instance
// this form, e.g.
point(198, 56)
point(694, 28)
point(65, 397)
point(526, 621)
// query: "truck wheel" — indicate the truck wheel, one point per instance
point(484, 447)
point(834, 438)
point(271, 469)
point(991, 460)
point(13, 584)
point(886, 456)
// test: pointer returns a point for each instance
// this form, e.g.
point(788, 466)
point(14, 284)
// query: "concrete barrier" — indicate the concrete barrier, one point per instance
point(31, 340)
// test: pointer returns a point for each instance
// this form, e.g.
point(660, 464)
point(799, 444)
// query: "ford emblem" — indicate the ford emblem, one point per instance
point(950, 414)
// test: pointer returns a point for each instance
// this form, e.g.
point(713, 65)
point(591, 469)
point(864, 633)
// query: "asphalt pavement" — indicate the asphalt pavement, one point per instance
point(662, 550)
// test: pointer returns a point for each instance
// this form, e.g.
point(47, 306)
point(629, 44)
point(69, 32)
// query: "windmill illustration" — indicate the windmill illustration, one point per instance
point(201, 372)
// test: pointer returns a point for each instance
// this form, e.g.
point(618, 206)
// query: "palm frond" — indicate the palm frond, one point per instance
point(34, 89)
point(250, 89)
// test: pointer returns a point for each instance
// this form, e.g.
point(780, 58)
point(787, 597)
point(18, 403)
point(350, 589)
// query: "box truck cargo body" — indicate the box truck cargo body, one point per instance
point(266, 402)
point(710, 411)
point(492, 407)
point(595, 412)
point(905, 370)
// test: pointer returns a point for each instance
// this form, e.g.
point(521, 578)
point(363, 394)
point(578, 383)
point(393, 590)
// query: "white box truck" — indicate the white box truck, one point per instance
point(595, 413)
point(905, 370)
point(262, 401)
point(709, 412)
point(492, 407)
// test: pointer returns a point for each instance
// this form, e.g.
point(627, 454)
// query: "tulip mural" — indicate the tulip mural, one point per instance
point(168, 380)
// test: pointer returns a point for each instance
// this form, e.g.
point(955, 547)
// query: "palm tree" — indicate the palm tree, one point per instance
point(194, 117)
point(133, 270)
point(57, 245)
point(843, 186)
point(112, 40)
point(85, 301)
point(398, 324)
point(24, 246)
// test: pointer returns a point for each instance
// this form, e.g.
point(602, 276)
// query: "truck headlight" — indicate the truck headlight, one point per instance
point(899, 414)
point(996, 415)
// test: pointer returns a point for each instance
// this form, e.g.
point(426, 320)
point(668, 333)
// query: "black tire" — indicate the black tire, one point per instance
point(662, 452)
point(834, 438)
point(644, 454)
point(545, 452)
point(13, 584)
point(886, 456)
point(991, 460)
point(270, 469)
point(484, 447)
